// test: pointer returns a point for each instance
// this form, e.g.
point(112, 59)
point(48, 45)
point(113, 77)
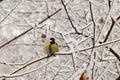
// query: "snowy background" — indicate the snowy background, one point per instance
point(87, 32)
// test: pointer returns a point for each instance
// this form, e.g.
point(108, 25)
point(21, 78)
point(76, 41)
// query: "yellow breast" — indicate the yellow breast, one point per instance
point(50, 48)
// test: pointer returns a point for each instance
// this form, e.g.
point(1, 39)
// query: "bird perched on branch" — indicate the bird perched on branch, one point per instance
point(50, 47)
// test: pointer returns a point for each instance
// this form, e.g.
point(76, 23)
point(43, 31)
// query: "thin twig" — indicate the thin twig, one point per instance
point(73, 62)
point(92, 53)
point(107, 43)
point(78, 72)
point(39, 59)
point(60, 68)
point(50, 16)
point(10, 12)
point(106, 20)
point(18, 75)
point(115, 54)
point(27, 30)
point(93, 23)
point(118, 18)
point(15, 38)
point(45, 73)
point(93, 66)
point(20, 64)
point(47, 7)
point(109, 4)
point(111, 27)
point(68, 2)
point(70, 18)
point(103, 72)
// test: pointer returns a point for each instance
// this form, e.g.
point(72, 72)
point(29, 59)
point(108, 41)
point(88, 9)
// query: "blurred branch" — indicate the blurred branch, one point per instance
point(115, 54)
point(1, 0)
point(118, 18)
point(93, 66)
point(73, 62)
point(18, 75)
point(77, 17)
point(39, 59)
point(10, 12)
point(68, 2)
point(75, 75)
point(50, 16)
point(60, 68)
point(103, 72)
point(47, 7)
point(106, 20)
point(1, 46)
point(100, 45)
point(111, 27)
point(118, 78)
point(92, 59)
point(20, 64)
point(70, 18)
point(107, 43)
point(93, 23)
point(109, 4)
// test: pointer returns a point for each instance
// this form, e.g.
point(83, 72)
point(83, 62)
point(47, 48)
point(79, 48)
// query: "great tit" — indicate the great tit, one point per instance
point(50, 47)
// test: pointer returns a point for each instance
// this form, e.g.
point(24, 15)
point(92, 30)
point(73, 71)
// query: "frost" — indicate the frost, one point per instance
point(87, 33)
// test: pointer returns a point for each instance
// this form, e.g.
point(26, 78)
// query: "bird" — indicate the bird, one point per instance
point(50, 47)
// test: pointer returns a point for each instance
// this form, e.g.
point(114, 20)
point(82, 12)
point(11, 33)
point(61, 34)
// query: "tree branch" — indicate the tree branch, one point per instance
point(10, 13)
point(115, 54)
point(29, 64)
point(113, 22)
point(50, 16)
point(27, 30)
point(70, 18)
point(18, 75)
point(93, 23)
point(15, 38)
point(118, 78)
point(39, 59)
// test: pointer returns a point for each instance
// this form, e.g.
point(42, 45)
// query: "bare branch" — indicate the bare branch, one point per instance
point(107, 43)
point(18, 75)
point(1, 0)
point(118, 78)
point(111, 27)
point(73, 62)
point(106, 20)
point(27, 30)
point(61, 68)
point(109, 4)
point(70, 18)
point(93, 23)
point(115, 54)
point(118, 18)
point(50, 16)
point(39, 59)
point(10, 12)
point(29, 64)
point(106, 69)
point(15, 38)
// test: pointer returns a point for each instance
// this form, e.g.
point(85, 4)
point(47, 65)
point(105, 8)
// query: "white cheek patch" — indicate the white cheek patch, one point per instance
point(50, 40)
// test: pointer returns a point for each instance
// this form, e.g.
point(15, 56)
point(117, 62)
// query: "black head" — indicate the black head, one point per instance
point(52, 40)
